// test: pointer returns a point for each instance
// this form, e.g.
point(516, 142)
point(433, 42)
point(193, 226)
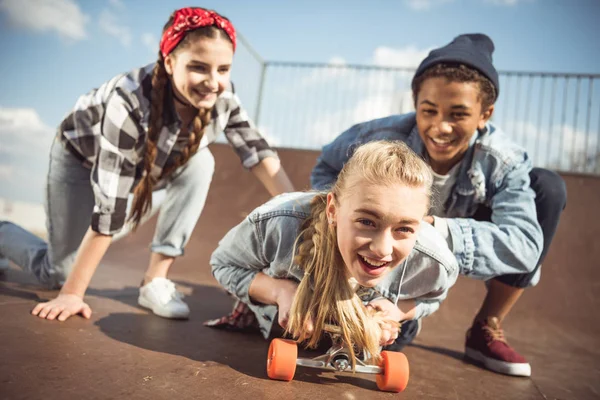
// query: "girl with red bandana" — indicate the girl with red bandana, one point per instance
point(139, 132)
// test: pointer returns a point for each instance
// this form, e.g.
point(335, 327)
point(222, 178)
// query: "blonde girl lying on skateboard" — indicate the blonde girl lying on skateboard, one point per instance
point(358, 256)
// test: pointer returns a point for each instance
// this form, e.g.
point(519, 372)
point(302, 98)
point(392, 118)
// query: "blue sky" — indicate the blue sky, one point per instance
point(55, 50)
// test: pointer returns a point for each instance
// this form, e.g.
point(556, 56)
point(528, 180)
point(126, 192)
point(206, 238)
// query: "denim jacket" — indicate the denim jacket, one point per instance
point(264, 241)
point(494, 172)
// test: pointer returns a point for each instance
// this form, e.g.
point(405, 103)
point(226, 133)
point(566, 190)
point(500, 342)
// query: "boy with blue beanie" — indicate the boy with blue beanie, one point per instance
point(497, 213)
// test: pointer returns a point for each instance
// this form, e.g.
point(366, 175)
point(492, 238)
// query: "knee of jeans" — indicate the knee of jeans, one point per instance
point(203, 161)
point(198, 169)
point(551, 187)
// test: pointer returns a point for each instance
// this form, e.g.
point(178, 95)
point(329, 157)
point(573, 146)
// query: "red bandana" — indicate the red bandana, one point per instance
point(187, 19)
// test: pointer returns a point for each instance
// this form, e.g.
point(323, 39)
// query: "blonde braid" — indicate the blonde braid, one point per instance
point(142, 199)
point(324, 295)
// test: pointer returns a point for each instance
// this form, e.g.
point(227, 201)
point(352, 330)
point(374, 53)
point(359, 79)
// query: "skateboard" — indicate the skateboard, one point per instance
point(391, 373)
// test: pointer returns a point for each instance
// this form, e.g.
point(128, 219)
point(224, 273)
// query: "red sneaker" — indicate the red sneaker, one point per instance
point(486, 343)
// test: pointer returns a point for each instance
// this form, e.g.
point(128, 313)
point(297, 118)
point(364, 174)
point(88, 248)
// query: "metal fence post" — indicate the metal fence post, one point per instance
point(261, 85)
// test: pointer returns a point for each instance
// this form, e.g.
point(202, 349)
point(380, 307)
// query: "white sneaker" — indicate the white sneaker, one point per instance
point(163, 299)
point(4, 265)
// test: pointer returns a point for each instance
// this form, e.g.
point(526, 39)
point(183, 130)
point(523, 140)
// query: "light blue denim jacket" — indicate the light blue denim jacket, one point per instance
point(494, 172)
point(264, 241)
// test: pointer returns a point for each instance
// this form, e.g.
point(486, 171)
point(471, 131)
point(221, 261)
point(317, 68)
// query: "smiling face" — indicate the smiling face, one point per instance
point(376, 227)
point(200, 71)
point(448, 115)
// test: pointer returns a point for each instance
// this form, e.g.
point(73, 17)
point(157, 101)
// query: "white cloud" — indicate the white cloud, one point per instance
point(61, 16)
point(22, 131)
point(24, 149)
point(23, 134)
point(337, 60)
point(421, 5)
point(408, 57)
point(150, 42)
point(108, 23)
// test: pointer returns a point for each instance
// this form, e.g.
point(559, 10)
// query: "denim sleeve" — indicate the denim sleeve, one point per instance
point(332, 159)
point(428, 303)
point(433, 270)
point(512, 242)
point(426, 307)
point(238, 259)
point(255, 245)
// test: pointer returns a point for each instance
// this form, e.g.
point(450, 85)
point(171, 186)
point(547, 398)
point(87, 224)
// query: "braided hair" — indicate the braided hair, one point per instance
point(325, 295)
point(142, 193)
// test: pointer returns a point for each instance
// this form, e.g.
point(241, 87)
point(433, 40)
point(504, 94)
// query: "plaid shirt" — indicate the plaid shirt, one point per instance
point(107, 131)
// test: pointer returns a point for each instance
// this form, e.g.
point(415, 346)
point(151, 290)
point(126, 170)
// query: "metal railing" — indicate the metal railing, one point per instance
point(555, 117)
point(247, 75)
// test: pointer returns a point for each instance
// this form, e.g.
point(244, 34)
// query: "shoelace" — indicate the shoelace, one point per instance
point(170, 292)
point(494, 333)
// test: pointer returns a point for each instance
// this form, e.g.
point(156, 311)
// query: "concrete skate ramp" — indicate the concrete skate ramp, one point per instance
point(123, 352)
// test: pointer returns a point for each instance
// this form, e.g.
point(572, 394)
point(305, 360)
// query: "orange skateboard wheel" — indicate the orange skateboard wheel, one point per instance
point(281, 361)
point(394, 377)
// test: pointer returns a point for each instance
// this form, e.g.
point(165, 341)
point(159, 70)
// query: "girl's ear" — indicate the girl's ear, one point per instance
point(169, 64)
point(485, 117)
point(331, 208)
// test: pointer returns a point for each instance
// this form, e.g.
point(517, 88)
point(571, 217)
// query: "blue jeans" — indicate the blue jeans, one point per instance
point(69, 202)
point(550, 200)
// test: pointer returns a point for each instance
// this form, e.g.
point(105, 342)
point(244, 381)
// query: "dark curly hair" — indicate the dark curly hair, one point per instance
point(458, 73)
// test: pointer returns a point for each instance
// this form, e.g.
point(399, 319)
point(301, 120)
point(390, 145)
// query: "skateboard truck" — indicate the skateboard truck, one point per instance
point(391, 373)
point(338, 358)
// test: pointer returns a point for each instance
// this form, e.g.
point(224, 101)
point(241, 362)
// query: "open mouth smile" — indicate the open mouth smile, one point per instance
point(442, 144)
point(372, 266)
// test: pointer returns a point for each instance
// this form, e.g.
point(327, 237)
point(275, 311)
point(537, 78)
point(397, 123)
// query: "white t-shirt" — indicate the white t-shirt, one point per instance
point(442, 187)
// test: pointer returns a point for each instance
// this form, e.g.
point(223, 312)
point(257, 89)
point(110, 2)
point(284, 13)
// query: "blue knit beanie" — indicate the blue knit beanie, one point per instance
point(474, 50)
